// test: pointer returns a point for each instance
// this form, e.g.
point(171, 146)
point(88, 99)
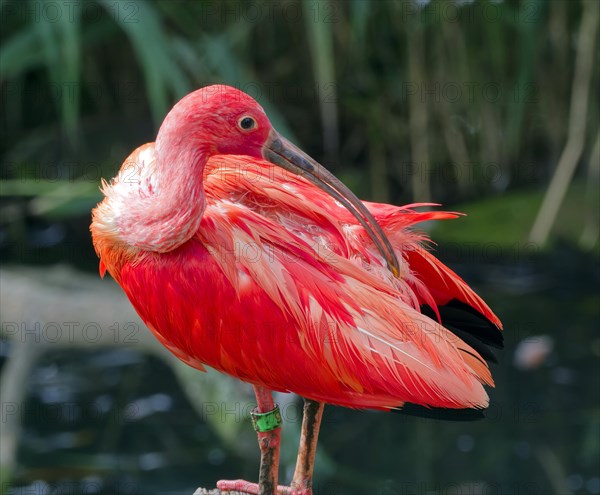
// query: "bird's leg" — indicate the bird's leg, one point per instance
point(268, 442)
point(311, 422)
point(267, 422)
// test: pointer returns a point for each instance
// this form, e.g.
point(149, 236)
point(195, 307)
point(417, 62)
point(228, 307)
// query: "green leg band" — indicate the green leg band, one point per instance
point(266, 421)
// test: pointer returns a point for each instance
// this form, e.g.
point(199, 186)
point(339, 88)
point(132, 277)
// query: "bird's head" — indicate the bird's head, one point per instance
point(221, 120)
point(217, 119)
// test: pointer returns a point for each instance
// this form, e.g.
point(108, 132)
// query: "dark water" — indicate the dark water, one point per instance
point(117, 422)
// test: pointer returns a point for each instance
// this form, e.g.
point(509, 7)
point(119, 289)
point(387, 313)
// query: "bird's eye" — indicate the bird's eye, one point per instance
point(247, 123)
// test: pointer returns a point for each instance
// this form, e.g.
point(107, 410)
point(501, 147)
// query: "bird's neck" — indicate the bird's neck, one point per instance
point(157, 201)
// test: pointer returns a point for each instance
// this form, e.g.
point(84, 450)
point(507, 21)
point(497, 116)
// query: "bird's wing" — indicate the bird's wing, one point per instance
point(442, 283)
point(441, 293)
point(282, 244)
point(316, 218)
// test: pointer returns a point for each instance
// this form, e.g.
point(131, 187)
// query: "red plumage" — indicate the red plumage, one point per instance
point(242, 253)
point(280, 286)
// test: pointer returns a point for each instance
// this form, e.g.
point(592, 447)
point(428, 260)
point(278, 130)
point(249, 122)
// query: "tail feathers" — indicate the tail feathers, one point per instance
point(441, 293)
point(394, 218)
point(444, 285)
point(441, 413)
point(439, 282)
point(474, 361)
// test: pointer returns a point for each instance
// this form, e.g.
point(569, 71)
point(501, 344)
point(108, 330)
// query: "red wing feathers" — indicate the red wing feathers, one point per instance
point(281, 287)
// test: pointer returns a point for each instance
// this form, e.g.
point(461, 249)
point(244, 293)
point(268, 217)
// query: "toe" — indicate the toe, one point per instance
point(238, 486)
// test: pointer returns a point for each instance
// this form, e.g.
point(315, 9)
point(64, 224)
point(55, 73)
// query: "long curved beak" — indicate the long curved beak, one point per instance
point(281, 152)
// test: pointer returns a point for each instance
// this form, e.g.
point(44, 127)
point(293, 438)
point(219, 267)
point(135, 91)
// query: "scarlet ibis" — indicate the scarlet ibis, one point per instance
point(242, 253)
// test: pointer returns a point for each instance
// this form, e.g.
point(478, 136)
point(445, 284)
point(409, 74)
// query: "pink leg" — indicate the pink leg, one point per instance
point(268, 442)
point(311, 422)
point(269, 453)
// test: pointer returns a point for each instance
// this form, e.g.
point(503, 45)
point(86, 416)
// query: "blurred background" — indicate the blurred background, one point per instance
point(489, 107)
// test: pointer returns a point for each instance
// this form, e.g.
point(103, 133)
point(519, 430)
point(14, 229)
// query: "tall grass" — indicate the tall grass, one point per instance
point(428, 100)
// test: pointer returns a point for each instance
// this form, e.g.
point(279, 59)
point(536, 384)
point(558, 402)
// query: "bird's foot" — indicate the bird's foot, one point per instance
point(253, 488)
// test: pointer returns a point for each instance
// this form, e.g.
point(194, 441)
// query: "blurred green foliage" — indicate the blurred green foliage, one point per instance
point(85, 82)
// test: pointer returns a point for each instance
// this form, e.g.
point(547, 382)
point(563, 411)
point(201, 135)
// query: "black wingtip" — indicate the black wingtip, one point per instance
point(441, 413)
point(469, 319)
point(469, 325)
